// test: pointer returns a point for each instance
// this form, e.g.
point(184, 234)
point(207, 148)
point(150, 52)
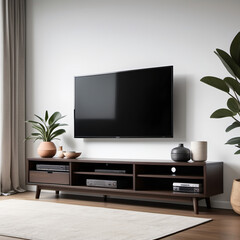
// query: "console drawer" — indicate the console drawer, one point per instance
point(49, 177)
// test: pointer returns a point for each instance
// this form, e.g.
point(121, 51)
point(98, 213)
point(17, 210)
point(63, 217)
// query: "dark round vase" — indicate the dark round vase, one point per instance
point(180, 154)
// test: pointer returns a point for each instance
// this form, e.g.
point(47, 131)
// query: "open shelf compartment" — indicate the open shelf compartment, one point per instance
point(122, 182)
point(102, 168)
point(161, 184)
point(169, 171)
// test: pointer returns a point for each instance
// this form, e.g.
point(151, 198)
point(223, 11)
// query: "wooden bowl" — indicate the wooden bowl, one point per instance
point(72, 154)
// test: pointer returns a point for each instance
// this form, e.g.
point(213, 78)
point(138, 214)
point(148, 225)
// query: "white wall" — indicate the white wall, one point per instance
point(67, 38)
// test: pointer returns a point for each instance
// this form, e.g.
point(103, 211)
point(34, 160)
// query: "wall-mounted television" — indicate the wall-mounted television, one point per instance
point(127, 104)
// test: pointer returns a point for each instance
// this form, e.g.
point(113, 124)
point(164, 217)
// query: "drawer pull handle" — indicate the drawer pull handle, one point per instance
point(49, 172)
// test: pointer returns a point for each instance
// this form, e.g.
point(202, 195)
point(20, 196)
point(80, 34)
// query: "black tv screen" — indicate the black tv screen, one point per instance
point(127, 104)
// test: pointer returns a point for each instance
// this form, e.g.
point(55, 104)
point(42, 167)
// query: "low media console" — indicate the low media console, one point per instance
point(139, 179)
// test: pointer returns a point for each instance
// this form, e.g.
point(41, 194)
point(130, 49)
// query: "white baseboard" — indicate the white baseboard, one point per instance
point(31, 188)
point(221, 204)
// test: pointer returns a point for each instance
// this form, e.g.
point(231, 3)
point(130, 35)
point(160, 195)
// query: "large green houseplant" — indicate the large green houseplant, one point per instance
point(231, 86)
point(46, 130)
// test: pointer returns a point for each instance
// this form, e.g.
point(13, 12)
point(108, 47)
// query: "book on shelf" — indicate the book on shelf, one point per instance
point(188, 189)
point(181, 184)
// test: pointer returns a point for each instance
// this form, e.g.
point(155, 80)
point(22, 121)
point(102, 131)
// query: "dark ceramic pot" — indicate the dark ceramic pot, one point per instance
point(180, 154)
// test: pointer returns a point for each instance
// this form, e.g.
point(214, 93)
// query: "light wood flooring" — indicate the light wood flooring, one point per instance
point(225, 224)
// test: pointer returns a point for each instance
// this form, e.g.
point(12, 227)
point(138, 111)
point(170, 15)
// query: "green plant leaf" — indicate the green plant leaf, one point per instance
point(29, 137)
point(30, 121)
point(45, 127)
point(34, 123)
point(235, 49)
point(38, 138)
point(57, 133)
point(215, 82)
point(54, 118)
point(39, 117)
point(233, 141)
point(36, 134)
point(229, 63)
point(38, 128)
point(232, 126)
point(233, 84)
point(237, 152)
point(46, 116)
point(233, 105)
point(221, 113)
point(54, 126)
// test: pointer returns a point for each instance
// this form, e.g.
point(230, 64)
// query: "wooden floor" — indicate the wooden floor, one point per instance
point(225, 224)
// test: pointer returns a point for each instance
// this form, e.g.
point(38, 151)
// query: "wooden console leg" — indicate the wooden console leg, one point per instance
point(57, 192)
point(195, 205)
point(208, 203)
point(105, 198)
point(38, 191)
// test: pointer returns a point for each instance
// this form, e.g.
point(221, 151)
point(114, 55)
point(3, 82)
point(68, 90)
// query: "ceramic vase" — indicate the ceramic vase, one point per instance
point(180, 154)
point(46, 149)
point(60, 152)
point(199, 151)
point(235, 196)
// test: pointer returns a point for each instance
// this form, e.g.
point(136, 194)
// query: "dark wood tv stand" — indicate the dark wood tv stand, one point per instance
point(142, 179)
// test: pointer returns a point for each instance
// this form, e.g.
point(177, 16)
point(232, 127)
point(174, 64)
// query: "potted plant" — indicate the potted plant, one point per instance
point(46, 129)
point(231, 86)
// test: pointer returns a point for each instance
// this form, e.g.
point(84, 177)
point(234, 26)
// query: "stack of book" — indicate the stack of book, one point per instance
point(187, 187)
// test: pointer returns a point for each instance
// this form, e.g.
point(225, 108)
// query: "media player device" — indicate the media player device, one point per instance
point(106, 183)
point(53, 168)
point(101, 183)
point(110, 171)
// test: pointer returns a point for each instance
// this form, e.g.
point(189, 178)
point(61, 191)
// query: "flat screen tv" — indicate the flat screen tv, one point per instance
point(128, 104)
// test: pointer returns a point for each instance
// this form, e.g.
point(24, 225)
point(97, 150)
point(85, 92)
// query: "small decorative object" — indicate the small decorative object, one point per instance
point(46, 130)
point(199, 151)
point(71, 154)
point(60, 152)
point(235, 196)
point(180, 154)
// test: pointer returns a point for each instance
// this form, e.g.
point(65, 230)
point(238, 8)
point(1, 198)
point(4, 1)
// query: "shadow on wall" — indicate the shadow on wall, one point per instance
point(179, 108)
point(179, 117)
point(70, 143)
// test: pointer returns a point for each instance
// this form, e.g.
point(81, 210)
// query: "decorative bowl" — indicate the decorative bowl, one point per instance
point(71, 154)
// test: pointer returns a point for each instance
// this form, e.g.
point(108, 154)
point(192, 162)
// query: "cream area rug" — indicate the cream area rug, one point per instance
point(49, 221)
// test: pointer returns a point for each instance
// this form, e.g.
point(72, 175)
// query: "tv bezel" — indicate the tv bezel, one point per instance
point(129, 136)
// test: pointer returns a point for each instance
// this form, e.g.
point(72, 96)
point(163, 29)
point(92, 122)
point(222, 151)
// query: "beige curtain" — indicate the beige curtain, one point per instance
point(12, 155)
